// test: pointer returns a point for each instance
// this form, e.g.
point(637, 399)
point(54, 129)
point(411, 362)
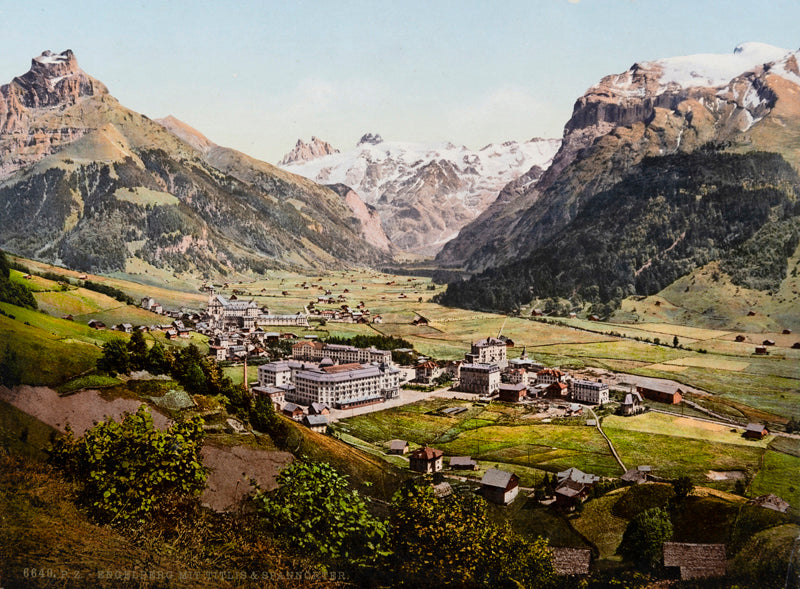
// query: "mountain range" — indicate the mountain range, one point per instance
point(90, 184)
point(424, 193)
point(651, 161)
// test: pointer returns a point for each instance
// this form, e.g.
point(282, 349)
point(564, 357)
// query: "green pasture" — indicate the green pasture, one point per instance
point(672, 456)
point(778, 474)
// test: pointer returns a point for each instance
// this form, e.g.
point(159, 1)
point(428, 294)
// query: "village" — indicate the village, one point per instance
point(318, 384)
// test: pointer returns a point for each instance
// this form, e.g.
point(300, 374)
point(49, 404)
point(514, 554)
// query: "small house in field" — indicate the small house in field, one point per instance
point(786, 331)
point(316, 423)
point(761, 351)
point(398, 447)
point(499, 486)
point(463, 463)
point(696, 561)
point(755, 431)
point(768, 342)
point(571, 561)
point(426, 460)
point(419, 320)
point(796, 346)
point(96, 324)
point(770, 501)
point(739, 338)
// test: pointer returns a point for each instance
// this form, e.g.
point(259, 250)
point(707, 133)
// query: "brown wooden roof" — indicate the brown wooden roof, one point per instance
point(572, 561)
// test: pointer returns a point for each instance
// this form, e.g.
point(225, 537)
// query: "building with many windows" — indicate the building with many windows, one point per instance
point(481, 379)
point(491, 350)
point(317, 351)
point(345, 386)
point(589, 391)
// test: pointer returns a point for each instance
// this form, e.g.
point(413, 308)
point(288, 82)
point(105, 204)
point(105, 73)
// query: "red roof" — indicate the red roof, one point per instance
point(427, 453)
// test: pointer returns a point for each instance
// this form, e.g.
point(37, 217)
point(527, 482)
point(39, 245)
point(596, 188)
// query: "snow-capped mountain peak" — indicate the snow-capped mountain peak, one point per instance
point(425, 192)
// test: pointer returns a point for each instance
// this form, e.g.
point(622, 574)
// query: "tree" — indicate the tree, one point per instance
point(644, 537)
point(675, 342)
point(137, 351)
point(159, 361)
point(115, 358)
point(127, 470)
point(313, 510)
point(683, 486)
point(452, 541)
point(264, 418)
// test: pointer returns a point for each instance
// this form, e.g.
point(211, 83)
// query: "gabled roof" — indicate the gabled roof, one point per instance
point(426, 453)
point(755, 427)
point(695, 560)
point(462, 461)
point(578, 476)
point(291, 407)
point(315, 420)
point(499, 478)
point(398, 445)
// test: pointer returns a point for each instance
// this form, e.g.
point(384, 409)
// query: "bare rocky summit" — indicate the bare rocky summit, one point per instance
point(305, 152)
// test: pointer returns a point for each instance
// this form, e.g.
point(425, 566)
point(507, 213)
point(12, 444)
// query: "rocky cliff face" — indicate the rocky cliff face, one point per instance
point(95, 186)
point(668, 106)
point(305, 152)
point(425, 193)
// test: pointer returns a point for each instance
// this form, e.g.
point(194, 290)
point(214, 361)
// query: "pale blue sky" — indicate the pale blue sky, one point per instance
point(257, 76)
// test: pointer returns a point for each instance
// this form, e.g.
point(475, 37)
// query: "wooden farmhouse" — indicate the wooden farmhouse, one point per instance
point(755, 431)
point(513, 393)
point(426, 460)
point(398, 447)
point(499, 486)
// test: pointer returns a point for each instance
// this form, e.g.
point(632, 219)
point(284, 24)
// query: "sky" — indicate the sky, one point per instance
point(259, 75)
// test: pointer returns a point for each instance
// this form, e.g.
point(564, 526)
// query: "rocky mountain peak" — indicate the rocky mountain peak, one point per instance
point(305, 152)
point(370, 138)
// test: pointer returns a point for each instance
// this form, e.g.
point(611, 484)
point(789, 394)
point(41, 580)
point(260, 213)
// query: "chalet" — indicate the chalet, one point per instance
point(82, 277)
point(755, 431)
point(740, 338)
point(577, 475)
point(426, 460)
point(770, 501)
point(661, 392)
point(95, 324)
point(499, 486)
point(761, 351)
point(512, 393)
point(796, 346)
point(768, 342)
point(696, 561)
point(419, 320)
point(126, 327)
point(398, 447)
point(293, 411)
point(170, 333)
point(632, 404)
point(786, 332)
point(377, 319)
point(571, 561)
point(68, 317)
point(426, 372)
point(751, 313)
point(570, 493)
point(316, 423)
point(463, 463)
point(318, 409)
point(594, 318)
point(537, 313)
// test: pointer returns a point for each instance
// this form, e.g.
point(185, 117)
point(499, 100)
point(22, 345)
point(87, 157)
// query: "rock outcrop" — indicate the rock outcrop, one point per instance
point(305, 152)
